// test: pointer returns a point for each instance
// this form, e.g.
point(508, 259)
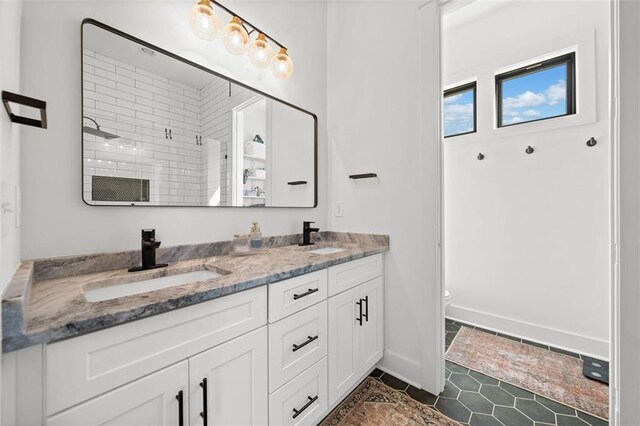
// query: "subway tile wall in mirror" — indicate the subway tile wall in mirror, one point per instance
point(194, 138)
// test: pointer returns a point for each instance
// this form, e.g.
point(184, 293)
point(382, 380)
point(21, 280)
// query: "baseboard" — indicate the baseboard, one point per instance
point(558, 338)
point(401, 367)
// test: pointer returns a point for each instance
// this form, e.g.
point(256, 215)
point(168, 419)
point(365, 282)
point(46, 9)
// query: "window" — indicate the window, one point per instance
point(459, 111)
point(537, 92)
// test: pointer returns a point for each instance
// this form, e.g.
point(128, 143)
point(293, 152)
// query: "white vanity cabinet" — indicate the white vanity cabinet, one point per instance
point(282, 354)
point(158, 399)
point(356, 335)
point(228, 384)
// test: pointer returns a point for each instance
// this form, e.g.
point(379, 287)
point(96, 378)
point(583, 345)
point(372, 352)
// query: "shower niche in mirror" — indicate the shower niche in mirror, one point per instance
point(159, 130)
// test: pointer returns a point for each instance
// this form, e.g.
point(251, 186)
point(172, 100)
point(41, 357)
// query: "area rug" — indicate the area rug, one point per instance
point(549, 374)
point(374, 403)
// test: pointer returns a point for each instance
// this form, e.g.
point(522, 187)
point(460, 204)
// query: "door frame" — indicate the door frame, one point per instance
point(237, 135)
point(614, 217)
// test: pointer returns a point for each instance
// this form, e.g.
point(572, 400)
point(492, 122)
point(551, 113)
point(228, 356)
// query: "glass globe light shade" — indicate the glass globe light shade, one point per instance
point(260, 53)
point(282, 65)
point(235, 37)
point(203, 20)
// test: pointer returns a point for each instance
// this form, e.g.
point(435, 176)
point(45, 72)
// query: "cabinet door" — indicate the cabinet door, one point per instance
point(344, 370)
point(150, 401)
point(229, 382)
point(372, 330)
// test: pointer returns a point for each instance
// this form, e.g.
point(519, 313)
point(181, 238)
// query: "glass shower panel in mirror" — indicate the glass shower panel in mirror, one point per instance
point(160, 131)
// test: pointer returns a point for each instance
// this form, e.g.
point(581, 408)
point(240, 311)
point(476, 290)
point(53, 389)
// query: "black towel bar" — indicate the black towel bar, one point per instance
point(26, 101)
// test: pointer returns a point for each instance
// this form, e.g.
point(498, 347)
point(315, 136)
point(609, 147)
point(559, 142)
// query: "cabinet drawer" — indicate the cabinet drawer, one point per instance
point(293, 295)
point(348, 275)
point(86, 366)
point(296, 343)
point(304, 397)
point(152, 400)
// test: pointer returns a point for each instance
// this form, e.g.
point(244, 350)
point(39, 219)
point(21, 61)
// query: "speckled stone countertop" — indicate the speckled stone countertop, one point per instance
point(45, 300)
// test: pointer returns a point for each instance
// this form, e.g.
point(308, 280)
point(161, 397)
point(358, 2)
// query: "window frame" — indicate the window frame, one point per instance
point(458, 89)
point(569, 59)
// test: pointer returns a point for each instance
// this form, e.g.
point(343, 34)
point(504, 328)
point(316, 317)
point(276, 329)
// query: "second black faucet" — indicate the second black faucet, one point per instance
point(306, 233)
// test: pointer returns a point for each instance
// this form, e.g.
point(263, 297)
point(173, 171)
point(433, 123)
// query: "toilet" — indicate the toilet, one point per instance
point(447, 298)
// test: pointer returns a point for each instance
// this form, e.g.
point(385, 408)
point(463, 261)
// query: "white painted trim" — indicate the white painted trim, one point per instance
point(402, 367)
point(432, 363)
point(549, 336)
point(398, 376)
point(614, 107)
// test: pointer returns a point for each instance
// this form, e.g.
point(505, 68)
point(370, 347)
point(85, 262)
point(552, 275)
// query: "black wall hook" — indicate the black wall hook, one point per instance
point(480, 156)
point(529, 150)
point(592, 142)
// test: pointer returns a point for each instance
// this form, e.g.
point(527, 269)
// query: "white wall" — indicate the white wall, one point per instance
point(527, 236)
point(10, 13)
point(9, 140)
point(56, 221)
point(374, 122)
point(629, 228)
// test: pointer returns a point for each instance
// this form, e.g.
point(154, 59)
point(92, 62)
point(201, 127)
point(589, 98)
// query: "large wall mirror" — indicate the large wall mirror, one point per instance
point(159, 130)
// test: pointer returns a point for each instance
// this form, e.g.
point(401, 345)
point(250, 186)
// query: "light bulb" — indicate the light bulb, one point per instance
point(203, 20)
point(235, 37)
point(282, 65)
point(260, 53)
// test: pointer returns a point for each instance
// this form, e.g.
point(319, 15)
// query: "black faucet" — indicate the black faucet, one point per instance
point(149, 246)
point(306, 233)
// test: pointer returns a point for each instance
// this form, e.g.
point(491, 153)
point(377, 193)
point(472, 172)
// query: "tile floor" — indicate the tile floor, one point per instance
point(475, 399)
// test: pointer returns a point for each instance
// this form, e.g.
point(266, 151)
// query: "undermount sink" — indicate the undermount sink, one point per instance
point(100, 294)
point(327, 250)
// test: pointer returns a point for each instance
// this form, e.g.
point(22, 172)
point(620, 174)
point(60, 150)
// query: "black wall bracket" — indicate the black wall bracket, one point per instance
point(8, 97)
point(363, 176)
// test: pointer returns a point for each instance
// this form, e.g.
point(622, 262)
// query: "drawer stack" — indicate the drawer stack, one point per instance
point(298, 350)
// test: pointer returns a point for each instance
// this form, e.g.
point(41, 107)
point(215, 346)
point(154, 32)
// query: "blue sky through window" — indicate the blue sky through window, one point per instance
point(534, 96)
point(458, 113)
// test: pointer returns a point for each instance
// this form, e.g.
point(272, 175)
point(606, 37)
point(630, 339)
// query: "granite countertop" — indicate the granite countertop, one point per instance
point(45, 300)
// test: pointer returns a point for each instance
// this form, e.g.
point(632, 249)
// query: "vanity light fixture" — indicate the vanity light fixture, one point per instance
point(281, 65)
point(204, 21)
point(236, 38)
point(260, 53)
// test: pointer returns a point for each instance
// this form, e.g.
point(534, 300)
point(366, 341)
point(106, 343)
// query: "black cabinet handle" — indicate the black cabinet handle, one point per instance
point(359, 319)
point(203, 413)
point(306, 293)
point(180, 398)
point(170, 137)
point(366, 310)
point(296, 413)
point(297, 182)
point(363, 176)
point(306, 342)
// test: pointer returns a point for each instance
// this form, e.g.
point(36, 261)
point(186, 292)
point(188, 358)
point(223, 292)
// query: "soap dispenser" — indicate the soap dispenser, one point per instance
point(255, 243)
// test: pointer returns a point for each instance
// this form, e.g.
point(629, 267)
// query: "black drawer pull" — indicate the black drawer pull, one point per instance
point(180, 399)
point(306, 293)
point(363, 176)
point(366, 310)
point(203, 413)
point(296, 413)
point(359, 319)
point(297, 182)
point(302, 345)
